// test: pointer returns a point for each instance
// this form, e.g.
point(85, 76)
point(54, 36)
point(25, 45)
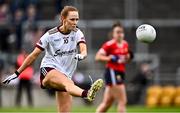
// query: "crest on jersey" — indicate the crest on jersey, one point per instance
point(119, 77)
point(72, 38)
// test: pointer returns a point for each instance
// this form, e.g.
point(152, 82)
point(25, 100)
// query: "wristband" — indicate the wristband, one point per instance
point(17, 73)
point(114, 58)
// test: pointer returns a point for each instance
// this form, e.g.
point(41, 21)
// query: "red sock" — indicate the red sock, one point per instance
point(84, 93)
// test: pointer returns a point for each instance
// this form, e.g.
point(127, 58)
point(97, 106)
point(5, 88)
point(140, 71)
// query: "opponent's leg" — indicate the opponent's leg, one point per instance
point(120, 96)
point(107, 101)
point(64, 102)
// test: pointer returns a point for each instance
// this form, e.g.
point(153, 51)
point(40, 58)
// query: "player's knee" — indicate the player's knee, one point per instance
point(45, 82)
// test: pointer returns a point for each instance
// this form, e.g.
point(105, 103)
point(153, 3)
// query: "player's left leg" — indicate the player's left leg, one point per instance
point(120, 95)
point(107, 100)
point(64, 102)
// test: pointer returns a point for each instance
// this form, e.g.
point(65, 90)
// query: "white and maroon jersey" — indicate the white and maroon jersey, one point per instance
point(60, 50)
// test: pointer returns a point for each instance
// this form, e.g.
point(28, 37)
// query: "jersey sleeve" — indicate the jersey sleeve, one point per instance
point(80, 37)
point(43, 42)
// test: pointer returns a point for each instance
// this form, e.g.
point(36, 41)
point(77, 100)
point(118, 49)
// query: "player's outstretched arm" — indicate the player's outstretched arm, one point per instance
point(29, 59)
point(101, 56)
point(27, 62)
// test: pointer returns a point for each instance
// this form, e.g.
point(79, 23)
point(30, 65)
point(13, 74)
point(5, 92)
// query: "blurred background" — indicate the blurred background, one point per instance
point(152, 78)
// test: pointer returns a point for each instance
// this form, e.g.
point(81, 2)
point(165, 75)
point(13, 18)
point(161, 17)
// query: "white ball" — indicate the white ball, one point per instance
point(146, 33)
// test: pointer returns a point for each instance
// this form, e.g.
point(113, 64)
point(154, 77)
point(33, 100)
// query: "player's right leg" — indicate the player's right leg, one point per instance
point(120, 95)
point(64, 102)
point(107, 101)
point(57, 80)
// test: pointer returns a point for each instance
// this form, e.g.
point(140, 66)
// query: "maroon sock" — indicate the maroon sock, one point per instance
point(84, 93)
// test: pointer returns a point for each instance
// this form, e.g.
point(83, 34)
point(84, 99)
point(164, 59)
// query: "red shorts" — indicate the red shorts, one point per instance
point(114, 77)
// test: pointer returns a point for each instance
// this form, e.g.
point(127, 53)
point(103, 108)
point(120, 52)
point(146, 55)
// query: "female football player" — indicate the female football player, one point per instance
point(116, 53)
point(60, 60)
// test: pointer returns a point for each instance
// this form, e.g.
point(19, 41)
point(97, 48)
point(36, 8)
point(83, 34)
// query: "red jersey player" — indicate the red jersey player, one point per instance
point(116, 53)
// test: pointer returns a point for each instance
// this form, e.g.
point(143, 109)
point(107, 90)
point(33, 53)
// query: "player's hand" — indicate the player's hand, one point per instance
point(9, 78)
point(79, 57)
point(122, 59)
point(114, 58)
point(118, 59)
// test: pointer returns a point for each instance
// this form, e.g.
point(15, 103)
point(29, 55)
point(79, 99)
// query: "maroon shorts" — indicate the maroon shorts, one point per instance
point(43, 72)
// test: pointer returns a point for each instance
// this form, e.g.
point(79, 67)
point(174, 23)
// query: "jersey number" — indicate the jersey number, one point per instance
point(65, 41)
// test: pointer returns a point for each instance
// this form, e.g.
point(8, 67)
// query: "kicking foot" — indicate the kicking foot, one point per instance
point(96, 86)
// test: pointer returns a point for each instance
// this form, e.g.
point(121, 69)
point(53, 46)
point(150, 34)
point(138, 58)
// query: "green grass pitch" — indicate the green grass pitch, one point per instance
point(91, 109)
